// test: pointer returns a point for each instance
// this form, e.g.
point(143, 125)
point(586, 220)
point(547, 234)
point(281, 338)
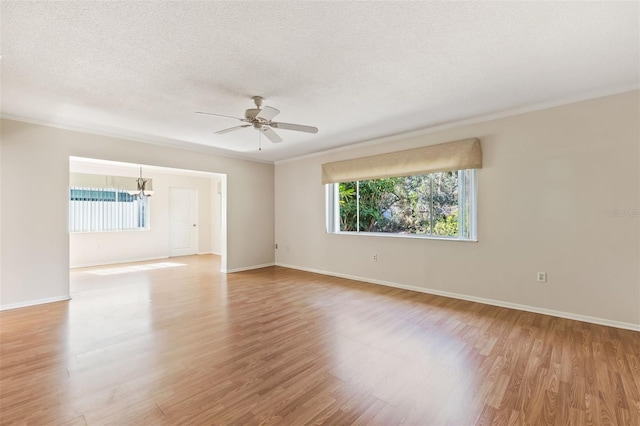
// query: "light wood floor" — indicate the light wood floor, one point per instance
point(188, 345)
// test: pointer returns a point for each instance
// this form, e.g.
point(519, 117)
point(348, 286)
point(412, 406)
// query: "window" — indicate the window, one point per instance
point(103, 209)
point(428, 192)
point(437, 205)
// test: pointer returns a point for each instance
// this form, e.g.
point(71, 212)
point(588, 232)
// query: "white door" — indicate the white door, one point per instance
point(183, 226)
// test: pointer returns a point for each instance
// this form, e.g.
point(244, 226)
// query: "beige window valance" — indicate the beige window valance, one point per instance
point(457, 155)
point(85, 180)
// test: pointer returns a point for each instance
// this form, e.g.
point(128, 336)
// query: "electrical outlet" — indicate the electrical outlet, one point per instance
point(542, 277)
point(375, 258)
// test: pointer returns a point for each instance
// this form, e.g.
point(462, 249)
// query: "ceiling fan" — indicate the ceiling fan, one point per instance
point(260, 118)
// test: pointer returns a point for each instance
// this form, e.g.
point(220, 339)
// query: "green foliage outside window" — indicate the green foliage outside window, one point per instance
point(423, 205)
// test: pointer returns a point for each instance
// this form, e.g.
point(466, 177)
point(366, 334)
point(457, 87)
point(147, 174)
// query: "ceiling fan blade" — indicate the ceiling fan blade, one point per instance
point(273, 136)
point(231, 129)
point(267, 113)
point(219, 115)
point(298, 127)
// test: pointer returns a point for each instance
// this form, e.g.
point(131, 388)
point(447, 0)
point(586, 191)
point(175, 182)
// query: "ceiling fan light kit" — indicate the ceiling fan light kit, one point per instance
point(260, 118)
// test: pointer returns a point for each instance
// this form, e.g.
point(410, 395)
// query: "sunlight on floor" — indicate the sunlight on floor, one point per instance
point(135, 268)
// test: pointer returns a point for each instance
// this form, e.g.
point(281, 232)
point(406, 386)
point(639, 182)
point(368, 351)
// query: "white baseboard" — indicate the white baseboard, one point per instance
point(500, 303)
point(209, 252)
point(34, 302)
point(248, 268)
point(115, 262)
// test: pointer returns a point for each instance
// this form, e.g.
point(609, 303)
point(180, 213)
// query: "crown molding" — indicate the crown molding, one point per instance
point(147, 139)
point(466, 122)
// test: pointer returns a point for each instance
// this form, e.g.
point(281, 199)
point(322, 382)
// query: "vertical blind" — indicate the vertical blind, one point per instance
point(98, 209)
point(103, 203)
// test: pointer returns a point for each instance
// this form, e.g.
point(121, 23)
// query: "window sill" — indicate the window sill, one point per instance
point(410, 236)
point(109, 232)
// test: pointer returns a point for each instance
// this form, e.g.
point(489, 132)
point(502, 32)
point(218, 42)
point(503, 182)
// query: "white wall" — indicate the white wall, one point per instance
point(0, 210)
point(35, 240)
point(96, 248)
point(216, 214)
point(547, 181)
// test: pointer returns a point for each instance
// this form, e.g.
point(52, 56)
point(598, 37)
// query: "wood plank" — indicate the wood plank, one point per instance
point(189, 345)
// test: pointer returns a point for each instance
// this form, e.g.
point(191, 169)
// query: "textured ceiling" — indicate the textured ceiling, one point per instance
point(356, 70)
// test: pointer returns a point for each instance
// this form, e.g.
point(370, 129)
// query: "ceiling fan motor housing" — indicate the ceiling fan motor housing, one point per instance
point(251, 113)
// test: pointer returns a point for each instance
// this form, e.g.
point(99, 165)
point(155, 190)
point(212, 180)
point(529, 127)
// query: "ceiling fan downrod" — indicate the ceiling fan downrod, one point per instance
point(258, 101)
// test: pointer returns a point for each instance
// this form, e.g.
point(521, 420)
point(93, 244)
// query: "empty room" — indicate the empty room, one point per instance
point(375, 213)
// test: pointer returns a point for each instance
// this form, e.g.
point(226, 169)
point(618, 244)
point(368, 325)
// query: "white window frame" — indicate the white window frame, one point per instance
point(92, 216)
point(470, 233)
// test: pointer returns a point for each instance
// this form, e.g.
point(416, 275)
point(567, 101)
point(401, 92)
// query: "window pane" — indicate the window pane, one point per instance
point(405, 205)
point(445, 204)
point(348, 200)
point(95, 210)
point(437, 204)
point(377, 201)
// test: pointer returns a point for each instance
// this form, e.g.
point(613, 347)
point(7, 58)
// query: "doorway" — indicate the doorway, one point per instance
point(206, 208)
